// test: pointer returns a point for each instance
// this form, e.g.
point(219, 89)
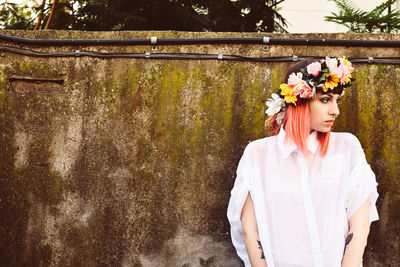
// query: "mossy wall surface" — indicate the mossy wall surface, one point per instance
point(130, 162)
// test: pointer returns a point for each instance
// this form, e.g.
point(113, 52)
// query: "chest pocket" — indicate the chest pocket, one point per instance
point(332, 166)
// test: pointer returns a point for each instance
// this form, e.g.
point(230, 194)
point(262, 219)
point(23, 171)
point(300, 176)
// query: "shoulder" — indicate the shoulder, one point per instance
point(263, 142)
point(345, 137)
point(347, 140)
point(260, 145)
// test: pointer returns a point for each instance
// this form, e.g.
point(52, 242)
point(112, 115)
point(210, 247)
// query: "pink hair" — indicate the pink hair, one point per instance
point(297, 124)
point(297, 128)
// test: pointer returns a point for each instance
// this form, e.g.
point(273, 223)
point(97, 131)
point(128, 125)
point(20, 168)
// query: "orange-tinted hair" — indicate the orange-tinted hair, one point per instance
point(298, 125)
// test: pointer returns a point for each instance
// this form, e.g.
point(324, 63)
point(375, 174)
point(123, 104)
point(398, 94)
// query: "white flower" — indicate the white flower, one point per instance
point(274, 105)
point(280, 116)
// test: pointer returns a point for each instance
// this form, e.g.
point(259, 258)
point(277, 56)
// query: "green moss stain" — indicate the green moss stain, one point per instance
point(193, 114)
point(118, 93)
point(2, 88)
point(367, 104)
point(277, 78)
point(373, 134)
point(389, 99)
point(348, 120)
point(201, 82)
point(217, 103)
point(111, 90)
point(39, 69)
point(254, 94)
point(169, 118)
point(131, 90)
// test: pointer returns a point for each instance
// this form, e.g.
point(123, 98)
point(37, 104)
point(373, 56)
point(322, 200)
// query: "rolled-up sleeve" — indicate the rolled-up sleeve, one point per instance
point(361, 185)
point(239, 194)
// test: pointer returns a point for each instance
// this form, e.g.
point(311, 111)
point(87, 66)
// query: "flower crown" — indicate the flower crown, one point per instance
point(326, 74)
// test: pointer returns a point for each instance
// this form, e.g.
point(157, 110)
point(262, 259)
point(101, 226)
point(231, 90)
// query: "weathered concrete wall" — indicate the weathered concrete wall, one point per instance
point(129, 162)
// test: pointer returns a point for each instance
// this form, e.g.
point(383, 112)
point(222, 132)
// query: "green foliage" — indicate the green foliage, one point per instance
point(24, 17)
point(360, 21)
point(13, 16)
point(182, 15)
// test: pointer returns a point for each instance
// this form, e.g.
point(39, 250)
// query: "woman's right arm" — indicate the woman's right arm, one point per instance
point(250, 235)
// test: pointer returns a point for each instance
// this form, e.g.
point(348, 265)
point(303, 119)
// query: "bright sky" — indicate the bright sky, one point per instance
point(307, 16)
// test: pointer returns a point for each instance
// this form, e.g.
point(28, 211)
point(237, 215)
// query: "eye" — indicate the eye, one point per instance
point(338, 100)
point(324, 100)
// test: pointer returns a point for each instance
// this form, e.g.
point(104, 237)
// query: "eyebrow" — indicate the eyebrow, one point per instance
point(328, 94)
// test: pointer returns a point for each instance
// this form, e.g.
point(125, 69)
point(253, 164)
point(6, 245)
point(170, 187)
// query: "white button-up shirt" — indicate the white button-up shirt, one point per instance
point(302, 205)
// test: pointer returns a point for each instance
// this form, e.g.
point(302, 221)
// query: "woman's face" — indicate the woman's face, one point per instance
point(323, 111)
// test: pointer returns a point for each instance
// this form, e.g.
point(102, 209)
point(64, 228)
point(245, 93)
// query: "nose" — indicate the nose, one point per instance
point(334, 110)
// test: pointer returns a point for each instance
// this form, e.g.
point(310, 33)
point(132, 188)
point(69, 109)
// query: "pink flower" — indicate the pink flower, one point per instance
point(343, 73)
point(295, 78)
point(303, 89)
point(332, 65)
point(346, 62)
point(314, 68)
point(345, 70)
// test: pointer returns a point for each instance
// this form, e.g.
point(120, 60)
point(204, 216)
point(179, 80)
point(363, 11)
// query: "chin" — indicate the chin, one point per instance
point(325, 130)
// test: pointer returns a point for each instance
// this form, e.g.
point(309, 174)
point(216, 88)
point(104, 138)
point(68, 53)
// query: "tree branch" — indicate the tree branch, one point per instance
point(41, 14)
point(51, 14)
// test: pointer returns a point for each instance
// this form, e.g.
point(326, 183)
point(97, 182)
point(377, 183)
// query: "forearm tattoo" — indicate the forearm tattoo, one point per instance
point(260, 247)
point(348, 239)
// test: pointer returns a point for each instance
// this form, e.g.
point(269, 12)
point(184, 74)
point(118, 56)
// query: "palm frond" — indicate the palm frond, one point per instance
point(358, 20)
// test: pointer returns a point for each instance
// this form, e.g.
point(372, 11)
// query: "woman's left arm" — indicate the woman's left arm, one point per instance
point(356, 240)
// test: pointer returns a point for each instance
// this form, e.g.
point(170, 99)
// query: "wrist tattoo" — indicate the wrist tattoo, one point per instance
point(348, 239)
point(260, 247)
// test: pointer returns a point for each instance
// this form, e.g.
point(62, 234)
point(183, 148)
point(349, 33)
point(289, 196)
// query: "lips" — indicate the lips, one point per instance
point(329, 123)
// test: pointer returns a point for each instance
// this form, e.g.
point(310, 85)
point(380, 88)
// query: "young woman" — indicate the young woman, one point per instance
point(304, 196)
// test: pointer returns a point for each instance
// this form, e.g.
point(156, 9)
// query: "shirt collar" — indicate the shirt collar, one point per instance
point(290, 146)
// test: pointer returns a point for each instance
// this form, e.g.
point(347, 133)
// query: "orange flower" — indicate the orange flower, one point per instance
point(331, 81)
point(347, 63)
point(291, 99)
point(287, 91)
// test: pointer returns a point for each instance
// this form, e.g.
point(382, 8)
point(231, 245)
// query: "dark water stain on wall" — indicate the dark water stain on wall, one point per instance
point(26, 108)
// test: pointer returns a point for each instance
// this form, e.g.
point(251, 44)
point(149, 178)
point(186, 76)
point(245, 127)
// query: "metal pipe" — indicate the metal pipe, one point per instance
point(183, 56)
point(194, 41)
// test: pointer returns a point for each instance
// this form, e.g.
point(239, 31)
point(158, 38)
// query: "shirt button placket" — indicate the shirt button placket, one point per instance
point(311, 222)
